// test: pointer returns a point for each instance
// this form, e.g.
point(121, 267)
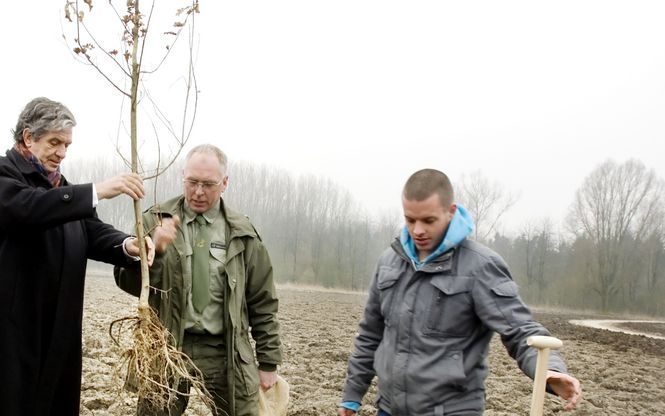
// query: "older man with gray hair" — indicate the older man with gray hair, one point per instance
point(48, 229)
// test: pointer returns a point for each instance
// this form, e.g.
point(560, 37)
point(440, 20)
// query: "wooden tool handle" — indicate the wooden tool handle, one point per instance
point(540, 341)
point(543, 344)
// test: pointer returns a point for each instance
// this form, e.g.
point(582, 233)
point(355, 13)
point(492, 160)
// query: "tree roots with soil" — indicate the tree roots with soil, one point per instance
point(155, 368)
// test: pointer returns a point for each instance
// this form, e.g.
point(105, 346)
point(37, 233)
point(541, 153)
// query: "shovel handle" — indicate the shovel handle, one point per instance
point(544, 345)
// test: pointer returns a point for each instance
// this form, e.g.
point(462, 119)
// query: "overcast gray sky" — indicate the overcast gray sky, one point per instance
point(533, 94)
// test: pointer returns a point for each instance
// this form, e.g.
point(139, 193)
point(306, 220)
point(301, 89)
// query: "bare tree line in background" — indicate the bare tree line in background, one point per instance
point(316, 233)
point(610, 257)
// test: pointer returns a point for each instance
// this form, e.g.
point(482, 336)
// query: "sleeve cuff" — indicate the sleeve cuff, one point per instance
point(95, 198)
point(350, 405)
point(269, 368)
point(124, 250)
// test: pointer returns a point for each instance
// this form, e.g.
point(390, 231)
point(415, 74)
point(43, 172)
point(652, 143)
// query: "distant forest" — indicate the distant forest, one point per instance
point(610, 258)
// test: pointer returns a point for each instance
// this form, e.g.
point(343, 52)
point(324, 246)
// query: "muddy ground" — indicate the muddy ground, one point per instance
point(657, 329)
point(621, 374)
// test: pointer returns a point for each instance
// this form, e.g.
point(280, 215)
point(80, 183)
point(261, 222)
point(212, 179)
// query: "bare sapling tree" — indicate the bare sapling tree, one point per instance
point(126, 63)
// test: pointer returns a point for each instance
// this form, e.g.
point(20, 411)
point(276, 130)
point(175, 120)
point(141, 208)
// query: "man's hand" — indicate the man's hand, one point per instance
point(132, 248)
point(165, 233)
point(126, 183)
point(267, 379)
point(345, 412)
point(566, 387)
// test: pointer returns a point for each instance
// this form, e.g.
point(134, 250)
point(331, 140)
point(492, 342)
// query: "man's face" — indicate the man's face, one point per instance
point(203, 182)
point(427, 222)
point(51, 147)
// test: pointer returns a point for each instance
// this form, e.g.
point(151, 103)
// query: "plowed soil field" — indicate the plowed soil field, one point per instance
point(620, 374)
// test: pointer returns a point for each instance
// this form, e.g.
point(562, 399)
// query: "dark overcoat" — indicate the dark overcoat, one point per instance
point(46, 235)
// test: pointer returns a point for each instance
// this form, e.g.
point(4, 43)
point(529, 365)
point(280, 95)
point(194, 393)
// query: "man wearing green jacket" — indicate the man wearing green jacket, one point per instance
point(212, 281)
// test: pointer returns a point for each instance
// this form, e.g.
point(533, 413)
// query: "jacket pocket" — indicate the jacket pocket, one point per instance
point(246, 366)
point(450, 309)
point(506, 296)
point(439, 372)
point(218, 274)
point(386, 279)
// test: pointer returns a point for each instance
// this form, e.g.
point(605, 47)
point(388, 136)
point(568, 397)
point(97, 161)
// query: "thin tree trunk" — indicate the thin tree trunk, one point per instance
point(140, 235)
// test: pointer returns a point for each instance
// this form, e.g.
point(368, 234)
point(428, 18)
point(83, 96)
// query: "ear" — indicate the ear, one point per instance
point(27, 137)
point(452, 209)
point(225, 183)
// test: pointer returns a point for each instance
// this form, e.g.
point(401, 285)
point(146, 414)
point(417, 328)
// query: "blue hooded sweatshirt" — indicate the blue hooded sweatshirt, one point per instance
point(461, 225)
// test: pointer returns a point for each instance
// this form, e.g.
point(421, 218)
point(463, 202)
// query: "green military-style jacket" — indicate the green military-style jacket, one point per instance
point(250, 293)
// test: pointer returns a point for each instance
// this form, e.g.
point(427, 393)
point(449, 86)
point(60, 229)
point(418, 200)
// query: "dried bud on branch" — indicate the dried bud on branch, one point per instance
point(68, 15)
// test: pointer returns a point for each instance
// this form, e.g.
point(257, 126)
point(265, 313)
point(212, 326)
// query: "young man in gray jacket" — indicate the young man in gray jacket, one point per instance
point(434, 303)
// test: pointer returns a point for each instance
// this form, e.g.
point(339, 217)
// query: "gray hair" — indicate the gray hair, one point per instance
point(211, 149)
point(41, 116)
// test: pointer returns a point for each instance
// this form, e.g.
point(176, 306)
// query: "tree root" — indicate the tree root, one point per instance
point(155, 368)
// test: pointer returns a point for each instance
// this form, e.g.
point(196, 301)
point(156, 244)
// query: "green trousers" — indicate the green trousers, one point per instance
point(208, 353)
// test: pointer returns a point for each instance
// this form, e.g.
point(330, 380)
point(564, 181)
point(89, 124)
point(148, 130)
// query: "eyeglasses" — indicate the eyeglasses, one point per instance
point(205, 185)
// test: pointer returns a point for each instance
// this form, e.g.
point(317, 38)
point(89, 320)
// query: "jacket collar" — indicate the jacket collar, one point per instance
point(210, 215)
point(459, 228)
point(441, 263)
point(19, 161)
point(27, 169)
point(238, 224)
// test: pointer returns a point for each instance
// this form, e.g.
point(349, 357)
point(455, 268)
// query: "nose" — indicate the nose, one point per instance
point(418, 228)
point(61, 151)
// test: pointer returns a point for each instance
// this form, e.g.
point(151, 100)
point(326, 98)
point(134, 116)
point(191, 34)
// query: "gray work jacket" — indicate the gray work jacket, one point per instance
point(425, 334)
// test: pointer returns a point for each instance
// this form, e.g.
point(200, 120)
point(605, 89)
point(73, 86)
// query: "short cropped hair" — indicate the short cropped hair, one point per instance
point(211, 149)
point(426, 182)
point(41, 116)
